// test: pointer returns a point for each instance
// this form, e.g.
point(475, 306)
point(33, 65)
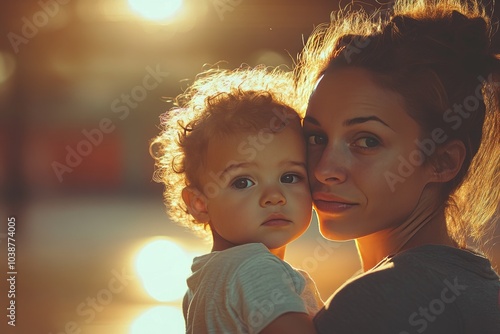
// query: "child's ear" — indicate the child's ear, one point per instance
point(196, 204)
point(448, 160)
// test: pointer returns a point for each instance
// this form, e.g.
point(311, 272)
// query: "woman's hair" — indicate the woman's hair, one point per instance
point(437, 56)
point(218, 104)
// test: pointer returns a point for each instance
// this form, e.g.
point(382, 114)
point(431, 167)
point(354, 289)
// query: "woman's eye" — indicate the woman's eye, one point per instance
point(290, 178)
point(367, 142)
point(316, 140)
point(242, 183)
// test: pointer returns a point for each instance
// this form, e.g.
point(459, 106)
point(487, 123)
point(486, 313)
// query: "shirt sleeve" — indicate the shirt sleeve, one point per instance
point(262, 289)
point(310, 295)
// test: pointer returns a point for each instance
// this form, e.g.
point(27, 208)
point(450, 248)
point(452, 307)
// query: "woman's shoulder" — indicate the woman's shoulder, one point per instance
point(389, 295)
point(388, 299)
point(426, 268)
point(443, 261)
point(393, 276)
point(406, 290)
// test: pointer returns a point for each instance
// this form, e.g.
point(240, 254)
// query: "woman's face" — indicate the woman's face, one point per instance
point(365, 167)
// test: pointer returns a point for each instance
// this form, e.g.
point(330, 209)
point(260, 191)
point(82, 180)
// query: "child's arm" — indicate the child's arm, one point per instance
point(290, 323)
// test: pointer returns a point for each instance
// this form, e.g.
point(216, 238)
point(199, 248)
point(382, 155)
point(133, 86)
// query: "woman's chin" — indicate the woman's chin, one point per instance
point(334, 235)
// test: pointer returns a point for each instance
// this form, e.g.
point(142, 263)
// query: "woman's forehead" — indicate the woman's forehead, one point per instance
point(352, 87)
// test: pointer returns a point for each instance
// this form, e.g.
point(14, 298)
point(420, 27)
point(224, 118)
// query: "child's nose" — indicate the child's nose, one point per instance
point(273, 196)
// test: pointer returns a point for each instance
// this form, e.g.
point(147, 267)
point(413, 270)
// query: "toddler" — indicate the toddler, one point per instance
point(232, 158)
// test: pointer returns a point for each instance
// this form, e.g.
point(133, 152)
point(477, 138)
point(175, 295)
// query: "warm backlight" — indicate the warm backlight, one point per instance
point(159, 320)
point(156, 10)
point(163, 267)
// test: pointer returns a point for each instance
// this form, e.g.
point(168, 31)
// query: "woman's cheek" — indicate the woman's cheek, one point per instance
point(313, 157)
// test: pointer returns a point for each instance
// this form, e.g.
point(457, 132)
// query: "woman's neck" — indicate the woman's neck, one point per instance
point(426, 225)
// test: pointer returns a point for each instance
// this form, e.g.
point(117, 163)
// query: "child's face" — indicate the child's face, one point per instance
point(257, 188)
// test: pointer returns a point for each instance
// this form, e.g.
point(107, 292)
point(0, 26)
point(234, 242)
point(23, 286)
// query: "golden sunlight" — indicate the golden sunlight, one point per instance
point(156, 10)
point(159, 320)
point(163, 267)
point(7, 66)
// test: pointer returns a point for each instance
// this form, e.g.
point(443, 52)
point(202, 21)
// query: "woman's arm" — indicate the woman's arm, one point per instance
point(290, 323)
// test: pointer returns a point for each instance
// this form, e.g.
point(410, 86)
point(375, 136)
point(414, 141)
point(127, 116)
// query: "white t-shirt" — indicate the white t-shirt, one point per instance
point(243, 289)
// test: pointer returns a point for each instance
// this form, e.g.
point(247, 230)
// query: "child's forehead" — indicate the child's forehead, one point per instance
point(259, 147)
point(256, 135)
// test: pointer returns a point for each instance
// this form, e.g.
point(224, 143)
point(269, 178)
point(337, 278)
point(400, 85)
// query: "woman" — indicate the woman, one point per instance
point(402, 124)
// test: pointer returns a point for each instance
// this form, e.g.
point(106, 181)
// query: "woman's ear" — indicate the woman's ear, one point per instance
point(448, 160)
point(196, 203)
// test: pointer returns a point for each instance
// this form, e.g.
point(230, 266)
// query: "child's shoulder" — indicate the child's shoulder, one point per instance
point(244, 255)
point(244, 260)
point(244, 250)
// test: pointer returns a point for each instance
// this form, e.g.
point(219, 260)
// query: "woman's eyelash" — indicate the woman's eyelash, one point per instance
point(367, 142)
point(315, 139)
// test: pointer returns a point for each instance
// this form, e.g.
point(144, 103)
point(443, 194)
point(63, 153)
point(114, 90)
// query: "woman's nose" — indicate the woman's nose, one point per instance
point(331, 167)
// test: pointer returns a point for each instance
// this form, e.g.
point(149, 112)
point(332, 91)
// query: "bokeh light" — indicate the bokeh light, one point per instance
point(7, 66)
point(163, 267)
point(156, 10)
point(159, 320)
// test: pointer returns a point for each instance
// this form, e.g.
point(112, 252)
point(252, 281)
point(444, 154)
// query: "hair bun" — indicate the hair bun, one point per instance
point(469, 35)
point(404, 27)
point(456, 38)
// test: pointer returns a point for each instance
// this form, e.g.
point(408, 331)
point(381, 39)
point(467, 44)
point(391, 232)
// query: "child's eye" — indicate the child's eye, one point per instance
point(242, 183)
point(367, 142)
point(316, 139)
point(291, 178)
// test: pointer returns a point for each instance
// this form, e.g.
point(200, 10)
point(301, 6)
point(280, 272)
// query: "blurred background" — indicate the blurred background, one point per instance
point(82, 84)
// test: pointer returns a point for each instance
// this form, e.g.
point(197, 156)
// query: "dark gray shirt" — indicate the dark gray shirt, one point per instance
point(429, 289)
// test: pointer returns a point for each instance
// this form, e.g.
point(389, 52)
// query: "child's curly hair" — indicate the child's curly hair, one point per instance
point(218, 103)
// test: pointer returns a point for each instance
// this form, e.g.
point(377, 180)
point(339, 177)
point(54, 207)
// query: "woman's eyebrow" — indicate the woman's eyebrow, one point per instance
point(312, 120)
point(359, 120)
point(349, 122)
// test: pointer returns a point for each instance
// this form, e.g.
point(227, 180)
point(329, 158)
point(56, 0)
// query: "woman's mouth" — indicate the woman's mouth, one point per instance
point(331, 204)
point(332, 207)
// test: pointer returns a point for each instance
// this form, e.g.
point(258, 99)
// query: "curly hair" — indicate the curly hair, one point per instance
point(218, 104)
point(436, 55)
